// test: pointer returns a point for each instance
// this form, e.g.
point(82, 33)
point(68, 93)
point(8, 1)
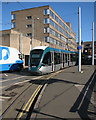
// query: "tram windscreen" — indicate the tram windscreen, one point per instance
point(35, 57)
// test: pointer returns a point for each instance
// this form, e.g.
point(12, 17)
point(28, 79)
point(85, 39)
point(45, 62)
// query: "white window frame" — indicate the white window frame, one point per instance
point(29, 18)
point(29, 26)
point(48, 12)
point(13, 26)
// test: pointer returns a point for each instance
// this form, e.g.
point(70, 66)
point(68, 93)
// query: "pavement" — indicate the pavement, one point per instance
point(68, 95)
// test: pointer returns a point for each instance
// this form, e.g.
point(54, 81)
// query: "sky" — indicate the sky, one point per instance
point(68, 11)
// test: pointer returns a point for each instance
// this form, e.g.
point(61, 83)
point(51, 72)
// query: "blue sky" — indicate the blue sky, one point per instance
point(68, 11)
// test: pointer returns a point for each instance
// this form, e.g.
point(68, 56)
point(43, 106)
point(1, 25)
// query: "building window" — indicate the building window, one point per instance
point(29, 34)
point(60, 22)
point(46, 30)
point(47, 39)
point(29, 17)
point(29, 26)
point(13, 25)
point(59, 28)
point(46, 20)
point(46, 11)
point(13, 17)
point(51, 40)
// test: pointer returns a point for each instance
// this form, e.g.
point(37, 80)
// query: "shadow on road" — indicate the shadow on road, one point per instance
point(52, 116)
point(82, 103)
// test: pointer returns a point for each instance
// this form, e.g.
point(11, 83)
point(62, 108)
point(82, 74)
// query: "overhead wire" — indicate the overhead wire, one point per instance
point(11, 23)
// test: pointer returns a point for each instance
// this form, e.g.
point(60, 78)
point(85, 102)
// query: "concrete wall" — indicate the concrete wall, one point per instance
point(12, 38)
point(5, 38)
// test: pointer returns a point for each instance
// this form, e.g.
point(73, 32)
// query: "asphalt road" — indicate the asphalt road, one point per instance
point(59, 95)
point(17, 91)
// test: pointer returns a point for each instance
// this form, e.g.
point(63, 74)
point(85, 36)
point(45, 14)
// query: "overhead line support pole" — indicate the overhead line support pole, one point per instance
point(93, 43)
point(79, 67)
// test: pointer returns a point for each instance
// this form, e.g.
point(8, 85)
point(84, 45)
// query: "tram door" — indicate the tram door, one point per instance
point(68, 59)
point(52, 60)
point(63, 56)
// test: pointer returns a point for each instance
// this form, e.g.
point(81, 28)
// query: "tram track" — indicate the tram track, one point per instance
point(37, 94)
point(12, 103)
point(19, 82)
point(22, 93)
point(27, 106)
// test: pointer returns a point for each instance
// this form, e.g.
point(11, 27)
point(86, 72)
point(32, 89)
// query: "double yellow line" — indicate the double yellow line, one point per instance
point(32, 98)
point(30, 101)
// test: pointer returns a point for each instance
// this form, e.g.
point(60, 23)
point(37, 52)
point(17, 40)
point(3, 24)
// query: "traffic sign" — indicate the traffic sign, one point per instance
point(79, 47)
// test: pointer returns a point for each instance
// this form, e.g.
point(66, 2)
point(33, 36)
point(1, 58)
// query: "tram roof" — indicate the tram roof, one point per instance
point(40, 47)
point(53, 49)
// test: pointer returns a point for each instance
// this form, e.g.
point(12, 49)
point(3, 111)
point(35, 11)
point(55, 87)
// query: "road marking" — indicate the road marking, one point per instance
point(37, 89)
point(33, 99)
point(12, 79)
point(21, 82)
point(15, 84)
point(37, 78)
point(3, 97)
point(6, 75)
point(20, 77)
point(2, 87)
point(80, 87)
point(28, 104)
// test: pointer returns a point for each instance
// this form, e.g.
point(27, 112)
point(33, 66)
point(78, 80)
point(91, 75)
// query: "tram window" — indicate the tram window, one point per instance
point(60, 58)
point(74, 57)
point(71, 57)
point(57, 58)
point(35, 56)
point(47, 59)
point(65, 58)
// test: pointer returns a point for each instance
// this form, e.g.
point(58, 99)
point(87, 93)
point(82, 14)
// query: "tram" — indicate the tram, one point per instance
point(10, 59)
point(44, 59)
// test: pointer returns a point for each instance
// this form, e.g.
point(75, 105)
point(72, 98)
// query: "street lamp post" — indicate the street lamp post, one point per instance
point(32, 36)
point(30, 43)
point(21, 47)
point(93, 44)
point(32, 31)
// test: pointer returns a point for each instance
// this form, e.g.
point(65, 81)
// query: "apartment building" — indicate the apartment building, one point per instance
point(88, 48)
point(45, 25)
